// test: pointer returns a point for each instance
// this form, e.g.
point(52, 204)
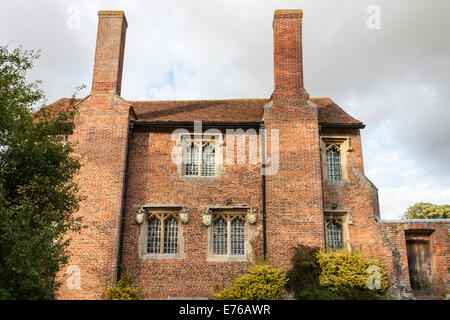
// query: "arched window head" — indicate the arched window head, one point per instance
point(334, 233)
point(237, 236)
point(220, 235)
point(162, 234)
point(228, 234)
point(199, 155)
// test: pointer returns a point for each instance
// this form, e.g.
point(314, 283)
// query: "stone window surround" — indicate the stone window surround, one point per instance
point(344, 146)
point(218, 156)
point(346, 219)
point(248, 232)
point(143, 234)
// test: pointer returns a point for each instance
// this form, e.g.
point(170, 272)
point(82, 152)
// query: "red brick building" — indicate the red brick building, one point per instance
point(182, 193)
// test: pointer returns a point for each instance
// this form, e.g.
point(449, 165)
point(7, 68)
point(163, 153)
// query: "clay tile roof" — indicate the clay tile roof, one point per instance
point(56, 107)
point(330, 113)
point(233, 110)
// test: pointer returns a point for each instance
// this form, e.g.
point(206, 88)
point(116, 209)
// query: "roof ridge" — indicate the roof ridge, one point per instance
point(201, 100)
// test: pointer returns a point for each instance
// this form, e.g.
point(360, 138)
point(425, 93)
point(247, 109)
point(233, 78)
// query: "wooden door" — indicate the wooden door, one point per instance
point(419, 263)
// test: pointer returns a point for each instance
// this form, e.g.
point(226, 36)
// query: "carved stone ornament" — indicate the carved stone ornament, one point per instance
point(207, 217)
point(251, 216)
point(184, 215)
point(140, 215)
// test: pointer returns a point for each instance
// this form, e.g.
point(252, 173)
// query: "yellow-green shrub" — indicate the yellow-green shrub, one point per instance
point(123, 290)
point(346, 272)
point(261, 282)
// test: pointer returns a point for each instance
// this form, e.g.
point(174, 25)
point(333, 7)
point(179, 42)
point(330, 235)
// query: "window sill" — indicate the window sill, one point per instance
point(226, 258)
point(199, 178)
point(162, 256)
point(337, 181)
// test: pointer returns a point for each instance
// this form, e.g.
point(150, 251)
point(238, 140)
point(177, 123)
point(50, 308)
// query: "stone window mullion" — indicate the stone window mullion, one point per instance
point(200, 156)
point(162, 219)
point(228, 235)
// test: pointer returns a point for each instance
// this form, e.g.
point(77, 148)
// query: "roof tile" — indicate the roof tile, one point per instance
point(233, 110)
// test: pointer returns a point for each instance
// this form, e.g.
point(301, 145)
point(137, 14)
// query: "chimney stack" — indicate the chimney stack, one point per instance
point(109, 52)
point(288, 63)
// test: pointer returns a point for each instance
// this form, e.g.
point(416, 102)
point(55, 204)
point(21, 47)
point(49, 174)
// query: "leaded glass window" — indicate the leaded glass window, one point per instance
point(237, 236)
point(154, 236)
point(191, 161)
point(220, 236)
point(228, 234)
point(208, 158)
point(162, 234)
point(199, 156)
point(333, 159)
point(334, 233)
point(171, 235)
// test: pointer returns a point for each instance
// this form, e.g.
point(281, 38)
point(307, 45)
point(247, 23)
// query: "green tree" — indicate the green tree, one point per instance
point(37, 193)
point(425, 210)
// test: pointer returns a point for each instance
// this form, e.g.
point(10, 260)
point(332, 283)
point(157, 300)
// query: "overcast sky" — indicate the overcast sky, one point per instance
point(395, 78)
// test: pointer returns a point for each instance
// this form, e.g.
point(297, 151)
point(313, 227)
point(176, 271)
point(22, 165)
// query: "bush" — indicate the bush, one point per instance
point(261, 282)
point(123, 290)
point(347, 274)
point(304, 276)
point(319, 275)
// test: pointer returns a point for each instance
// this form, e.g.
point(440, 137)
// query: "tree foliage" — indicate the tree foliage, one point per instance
point(37, 193)
point(425, 210)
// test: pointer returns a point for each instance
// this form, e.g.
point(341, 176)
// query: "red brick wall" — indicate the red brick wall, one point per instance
point(100, 138)
point(381, 240)
point(439, 247)
point(359, 198)
point(100, 135)
point(155, 179)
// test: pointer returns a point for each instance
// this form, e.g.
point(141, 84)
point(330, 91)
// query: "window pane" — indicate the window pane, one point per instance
point(191, 159)
point(154, 236)
point(237, 237)
point(220, 236)
point(333, 158)
point(208, 159)
point(171, 235)
point(334, 235)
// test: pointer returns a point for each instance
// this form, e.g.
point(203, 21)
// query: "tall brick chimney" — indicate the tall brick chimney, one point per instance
point(294, 197)
point(109, 52)
point(288, 63)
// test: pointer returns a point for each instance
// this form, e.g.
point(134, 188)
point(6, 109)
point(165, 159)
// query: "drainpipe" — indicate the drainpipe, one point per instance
point(124, 205)
point(263, 172)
